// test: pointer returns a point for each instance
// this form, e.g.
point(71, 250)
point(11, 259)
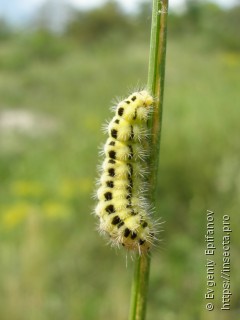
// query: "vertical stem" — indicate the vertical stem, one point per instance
point(156, 88)
point(140, 287)
point(156, 75)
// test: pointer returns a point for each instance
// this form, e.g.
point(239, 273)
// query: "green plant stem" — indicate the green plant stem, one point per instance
point(156, 88)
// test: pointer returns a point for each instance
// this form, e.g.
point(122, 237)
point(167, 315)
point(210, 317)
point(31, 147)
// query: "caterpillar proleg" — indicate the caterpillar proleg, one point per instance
point(123, 210)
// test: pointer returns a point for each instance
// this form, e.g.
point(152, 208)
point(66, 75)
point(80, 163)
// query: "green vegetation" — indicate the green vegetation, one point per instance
point(53, 263)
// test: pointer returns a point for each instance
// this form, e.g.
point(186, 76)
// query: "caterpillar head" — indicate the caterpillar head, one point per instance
point(136, 107)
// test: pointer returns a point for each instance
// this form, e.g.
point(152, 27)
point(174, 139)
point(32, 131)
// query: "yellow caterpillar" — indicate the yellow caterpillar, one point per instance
point(122, 207)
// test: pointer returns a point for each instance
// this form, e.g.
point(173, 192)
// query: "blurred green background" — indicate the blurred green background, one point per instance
point(56, 87)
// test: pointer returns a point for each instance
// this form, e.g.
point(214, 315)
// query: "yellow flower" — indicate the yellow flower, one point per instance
point(16, 214)
point(72, 188)
point(85, 185)
point(231, 59)
point(55, 210)
point(26, 188)
point(68, 189)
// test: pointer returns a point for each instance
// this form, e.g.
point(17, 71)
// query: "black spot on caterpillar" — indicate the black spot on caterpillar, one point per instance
point(114, 133)
point(110, 184)
point(120, 111)
point(110, 209)
point(111, 172)
point(116, 220)
point(108, 196)
point(112, 154)
point(126, 218)
point(126, 232)
point(134, 235)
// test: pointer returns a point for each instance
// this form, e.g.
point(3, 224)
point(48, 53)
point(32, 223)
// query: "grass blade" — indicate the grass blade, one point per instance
point(156, 88)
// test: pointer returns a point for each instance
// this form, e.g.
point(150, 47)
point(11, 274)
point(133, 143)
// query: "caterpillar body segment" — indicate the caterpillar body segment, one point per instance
point(122, 208)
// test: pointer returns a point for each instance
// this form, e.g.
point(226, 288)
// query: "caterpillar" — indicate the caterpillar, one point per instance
point(123, 211)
